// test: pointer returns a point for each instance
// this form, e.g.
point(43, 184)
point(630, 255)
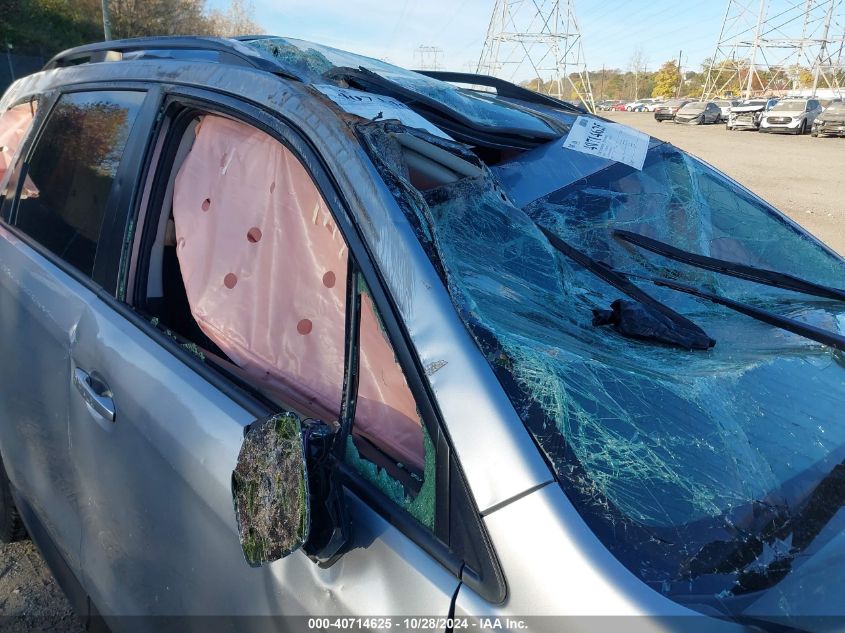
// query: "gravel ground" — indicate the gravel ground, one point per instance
point(802, 176)
point(29, 595)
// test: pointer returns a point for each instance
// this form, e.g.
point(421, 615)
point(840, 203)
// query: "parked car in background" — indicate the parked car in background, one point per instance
point(831, 122)
point(747, 115)
point(640, 105)
point(265, 352)
point(698, 113)
point(791, 116)
point(608, 104)
point(725, 106)
point(666, 111)
point(620, 107)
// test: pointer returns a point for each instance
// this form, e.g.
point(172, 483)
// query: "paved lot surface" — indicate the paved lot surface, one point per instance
point(802, 176)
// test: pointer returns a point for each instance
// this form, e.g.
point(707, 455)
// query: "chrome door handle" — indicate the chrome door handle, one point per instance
point(95, 392)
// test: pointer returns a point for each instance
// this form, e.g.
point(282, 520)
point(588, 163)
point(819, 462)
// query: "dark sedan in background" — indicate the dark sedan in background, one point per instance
point(667, 111)
point(831, 122)
point(699, 113)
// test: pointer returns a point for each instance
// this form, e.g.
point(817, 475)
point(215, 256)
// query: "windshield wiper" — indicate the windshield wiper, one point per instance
point(810, 332)
point(679, 330)
point(772, 278)
point(444, 116)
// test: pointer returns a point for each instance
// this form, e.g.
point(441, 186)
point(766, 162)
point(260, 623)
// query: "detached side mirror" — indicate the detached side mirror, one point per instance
point(287, 493)
point(270, 490)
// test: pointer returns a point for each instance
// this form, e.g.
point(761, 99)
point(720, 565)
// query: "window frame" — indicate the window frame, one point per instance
point(104, 275)
point(453, 499)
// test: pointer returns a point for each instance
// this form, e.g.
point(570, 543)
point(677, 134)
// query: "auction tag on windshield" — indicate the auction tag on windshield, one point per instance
point(372, 106)
point(608, 140)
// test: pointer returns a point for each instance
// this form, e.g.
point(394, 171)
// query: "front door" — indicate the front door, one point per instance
point(240, 303)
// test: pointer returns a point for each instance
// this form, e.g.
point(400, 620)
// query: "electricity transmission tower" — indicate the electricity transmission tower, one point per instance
point(428, 57)
point(538, 39)
point(777, 45)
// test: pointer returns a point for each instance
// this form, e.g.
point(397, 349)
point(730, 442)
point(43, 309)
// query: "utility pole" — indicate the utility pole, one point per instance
point(680, 74)
point(106, 21)
point(601, 88)
point(752, 70)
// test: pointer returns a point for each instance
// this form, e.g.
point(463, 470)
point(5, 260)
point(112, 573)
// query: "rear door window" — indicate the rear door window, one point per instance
point(71, 172)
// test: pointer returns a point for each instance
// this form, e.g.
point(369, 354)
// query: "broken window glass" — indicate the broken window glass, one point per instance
point(697, 469)
point(389, 445)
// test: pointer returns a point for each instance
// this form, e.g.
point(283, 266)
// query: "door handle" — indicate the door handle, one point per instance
point(95, 393)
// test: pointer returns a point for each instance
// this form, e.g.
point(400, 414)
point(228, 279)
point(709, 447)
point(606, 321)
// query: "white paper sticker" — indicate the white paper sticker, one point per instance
point(608, 140)
point(370, 106)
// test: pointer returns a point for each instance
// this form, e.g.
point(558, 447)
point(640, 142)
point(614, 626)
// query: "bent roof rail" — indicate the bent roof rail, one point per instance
point(231, 51)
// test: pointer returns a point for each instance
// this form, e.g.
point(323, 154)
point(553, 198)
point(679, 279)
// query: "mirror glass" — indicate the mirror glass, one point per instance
point(270, 490)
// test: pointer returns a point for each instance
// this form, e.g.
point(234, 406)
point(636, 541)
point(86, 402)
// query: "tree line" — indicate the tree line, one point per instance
point(46, 27)
point(669, 81)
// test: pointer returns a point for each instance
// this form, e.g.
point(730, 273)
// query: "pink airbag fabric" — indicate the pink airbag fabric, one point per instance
point(14, 124)
point(264, 268)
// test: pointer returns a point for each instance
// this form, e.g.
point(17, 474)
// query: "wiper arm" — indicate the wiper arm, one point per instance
point(810, 332)
point(772, 278)
point(691, 336)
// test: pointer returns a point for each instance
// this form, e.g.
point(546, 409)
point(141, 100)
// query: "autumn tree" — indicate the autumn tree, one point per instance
point(46, 27)
point(667, 80)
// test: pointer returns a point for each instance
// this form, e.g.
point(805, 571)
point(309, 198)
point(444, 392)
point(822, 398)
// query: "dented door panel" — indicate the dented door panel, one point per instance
point(39, 308)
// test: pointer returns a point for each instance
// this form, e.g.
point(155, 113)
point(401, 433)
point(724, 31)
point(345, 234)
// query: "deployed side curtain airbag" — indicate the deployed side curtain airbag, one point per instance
point(264, 268)
point(14, 124)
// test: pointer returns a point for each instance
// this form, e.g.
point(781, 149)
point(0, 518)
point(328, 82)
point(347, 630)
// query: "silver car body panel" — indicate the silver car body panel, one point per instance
point(552, 538)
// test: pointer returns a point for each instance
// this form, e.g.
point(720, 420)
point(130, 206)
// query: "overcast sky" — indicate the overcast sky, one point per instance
point(392, 29)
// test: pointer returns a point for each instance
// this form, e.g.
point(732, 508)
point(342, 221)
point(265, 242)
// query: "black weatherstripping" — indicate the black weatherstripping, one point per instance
point(772, 278)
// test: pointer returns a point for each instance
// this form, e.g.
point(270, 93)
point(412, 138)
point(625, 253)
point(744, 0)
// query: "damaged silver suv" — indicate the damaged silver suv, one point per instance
point(291, 331)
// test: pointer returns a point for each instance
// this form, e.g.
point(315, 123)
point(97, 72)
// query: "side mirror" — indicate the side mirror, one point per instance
point(270, 490)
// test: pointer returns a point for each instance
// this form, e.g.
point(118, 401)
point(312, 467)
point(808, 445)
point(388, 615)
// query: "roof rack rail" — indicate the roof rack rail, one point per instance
point(229, 51)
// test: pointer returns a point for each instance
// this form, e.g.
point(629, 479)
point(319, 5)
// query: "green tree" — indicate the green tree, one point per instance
point(667, 80)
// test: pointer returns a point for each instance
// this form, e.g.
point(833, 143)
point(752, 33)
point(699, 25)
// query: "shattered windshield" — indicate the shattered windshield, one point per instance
point(311, 61)
point(696, 106)
point(716, 476)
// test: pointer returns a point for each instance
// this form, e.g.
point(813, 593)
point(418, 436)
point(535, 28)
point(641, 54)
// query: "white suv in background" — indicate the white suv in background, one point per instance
point(792, 116)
